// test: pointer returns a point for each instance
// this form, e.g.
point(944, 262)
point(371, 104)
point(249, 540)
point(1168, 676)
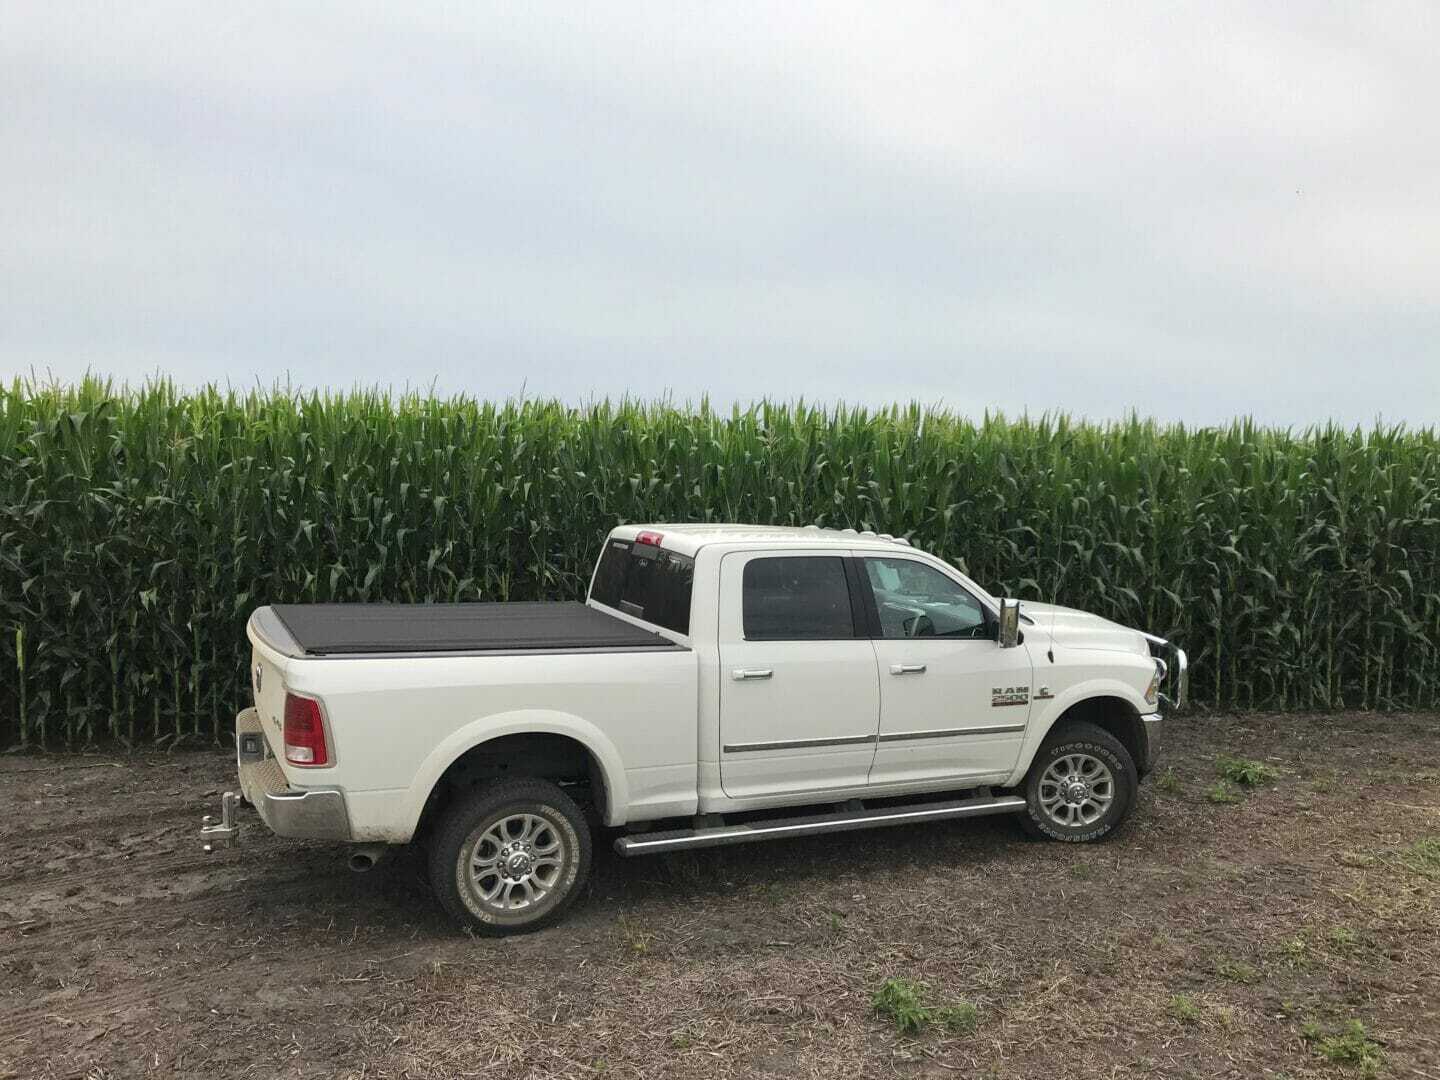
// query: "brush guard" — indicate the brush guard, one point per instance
point(1176, 678)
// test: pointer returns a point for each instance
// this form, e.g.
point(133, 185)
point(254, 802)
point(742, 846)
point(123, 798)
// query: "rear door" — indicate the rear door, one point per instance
point(953, 704)
point(799, 691)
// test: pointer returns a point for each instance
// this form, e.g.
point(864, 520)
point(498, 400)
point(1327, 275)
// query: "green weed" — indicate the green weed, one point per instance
point(903, 1001)
point(959, 1019)
point(1185, 1009)
point(1342, 938)
point(1423, 857)
point(1295, 952)
point(1237, 971)
point(1245, 771)
point(1168, 782)
point(1349, 1046)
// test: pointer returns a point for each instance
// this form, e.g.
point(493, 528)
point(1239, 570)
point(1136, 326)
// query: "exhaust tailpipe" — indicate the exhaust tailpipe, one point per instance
point(366, 857)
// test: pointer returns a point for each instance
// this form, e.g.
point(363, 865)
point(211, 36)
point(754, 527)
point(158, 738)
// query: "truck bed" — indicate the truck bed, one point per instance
point(355, 629)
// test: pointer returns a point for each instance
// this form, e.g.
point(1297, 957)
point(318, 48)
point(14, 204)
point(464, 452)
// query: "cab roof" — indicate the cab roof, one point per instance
point(689, 537)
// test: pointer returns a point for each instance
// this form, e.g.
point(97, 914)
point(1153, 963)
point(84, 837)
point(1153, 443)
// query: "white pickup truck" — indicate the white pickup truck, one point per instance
point(722, 684)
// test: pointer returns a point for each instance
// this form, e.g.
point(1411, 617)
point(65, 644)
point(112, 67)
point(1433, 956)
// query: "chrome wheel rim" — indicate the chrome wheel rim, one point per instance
point(1077, 789)
point(516, 863)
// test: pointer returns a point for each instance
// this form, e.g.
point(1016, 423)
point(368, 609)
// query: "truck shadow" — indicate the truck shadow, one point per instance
point(864, 857)
point(750, 880)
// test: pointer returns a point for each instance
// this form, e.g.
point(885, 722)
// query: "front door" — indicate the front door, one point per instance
point(953, 704)
point(799, 694)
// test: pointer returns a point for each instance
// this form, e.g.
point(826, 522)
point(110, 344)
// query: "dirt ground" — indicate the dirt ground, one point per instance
point(1208, 939)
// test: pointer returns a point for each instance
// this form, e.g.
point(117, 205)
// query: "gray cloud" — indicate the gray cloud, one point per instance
point(1193, 213)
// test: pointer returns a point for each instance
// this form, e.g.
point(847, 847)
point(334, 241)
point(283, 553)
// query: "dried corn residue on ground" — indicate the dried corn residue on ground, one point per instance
point(1295, 929)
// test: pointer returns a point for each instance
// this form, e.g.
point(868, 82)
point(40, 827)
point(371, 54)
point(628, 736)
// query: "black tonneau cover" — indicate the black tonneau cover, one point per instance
point(337, 629)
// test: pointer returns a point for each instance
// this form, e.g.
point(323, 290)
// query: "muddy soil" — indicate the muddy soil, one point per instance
point(1211, 938)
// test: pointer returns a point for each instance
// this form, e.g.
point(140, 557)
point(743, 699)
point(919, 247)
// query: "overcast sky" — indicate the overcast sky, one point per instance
point(1194, 213)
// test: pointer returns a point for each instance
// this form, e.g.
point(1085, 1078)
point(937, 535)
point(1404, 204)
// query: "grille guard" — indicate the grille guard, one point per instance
point(1177, 673)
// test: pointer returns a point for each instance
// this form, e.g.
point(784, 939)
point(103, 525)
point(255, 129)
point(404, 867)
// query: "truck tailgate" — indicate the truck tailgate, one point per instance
point(267, 681)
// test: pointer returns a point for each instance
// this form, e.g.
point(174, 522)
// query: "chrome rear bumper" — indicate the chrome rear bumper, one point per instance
point(306, 813)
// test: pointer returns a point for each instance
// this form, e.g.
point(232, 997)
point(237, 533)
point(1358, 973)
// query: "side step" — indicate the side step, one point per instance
point(841, 821)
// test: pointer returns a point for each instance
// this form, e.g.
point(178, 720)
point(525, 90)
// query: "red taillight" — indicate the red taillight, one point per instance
point(651, 538)
point(304, 732)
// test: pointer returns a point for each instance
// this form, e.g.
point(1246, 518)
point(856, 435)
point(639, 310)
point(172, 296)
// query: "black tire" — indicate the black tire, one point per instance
point(1077, 740)
point(544, 813)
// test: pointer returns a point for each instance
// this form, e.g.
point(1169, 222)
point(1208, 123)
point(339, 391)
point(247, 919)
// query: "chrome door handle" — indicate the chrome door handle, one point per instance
point(907, 669)
point(741, 674)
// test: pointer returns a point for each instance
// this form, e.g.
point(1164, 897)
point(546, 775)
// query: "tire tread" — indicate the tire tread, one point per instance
point(460, 819)
point(1082, 735)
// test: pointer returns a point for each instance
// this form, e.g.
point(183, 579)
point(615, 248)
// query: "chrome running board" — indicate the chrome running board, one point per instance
point(812, 825)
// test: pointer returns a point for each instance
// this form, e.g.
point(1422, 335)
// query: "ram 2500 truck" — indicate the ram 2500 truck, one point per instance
point(721, 684)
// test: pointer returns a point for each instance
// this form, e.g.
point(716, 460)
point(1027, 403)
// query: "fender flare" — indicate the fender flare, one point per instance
point(520, 722)
point(1040, 726)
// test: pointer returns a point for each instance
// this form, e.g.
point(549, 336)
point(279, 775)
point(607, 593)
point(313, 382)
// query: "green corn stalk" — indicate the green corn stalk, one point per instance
point(138, 528)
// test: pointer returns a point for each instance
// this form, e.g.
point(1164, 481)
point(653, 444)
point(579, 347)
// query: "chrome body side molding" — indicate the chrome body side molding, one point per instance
point(798, 744)
point(946, 733)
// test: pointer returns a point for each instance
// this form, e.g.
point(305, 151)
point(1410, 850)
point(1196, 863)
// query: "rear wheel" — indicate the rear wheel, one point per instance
point(510, 857)
point(1080, 786)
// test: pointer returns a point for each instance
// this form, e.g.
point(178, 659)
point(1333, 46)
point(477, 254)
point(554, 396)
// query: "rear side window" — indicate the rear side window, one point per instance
point(646, 581)
point(796, 598)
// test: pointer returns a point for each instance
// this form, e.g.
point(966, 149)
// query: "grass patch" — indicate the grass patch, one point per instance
point(1184, 1008)
point(903, 1002)
point(959, 1019)
point(1348, 1046)
point(1168, 782)
point(637, 938)
point(1245, 771)
point(1343, 938)
point(1237, 971)
point(1423, 857)
point(1295, 952)
point(1222, 793)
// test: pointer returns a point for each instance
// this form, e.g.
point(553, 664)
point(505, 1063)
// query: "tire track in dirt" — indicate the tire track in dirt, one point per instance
point(35, 880)
point(183, 815)
point(90, 826)
point(176, 989)
point(153, 910)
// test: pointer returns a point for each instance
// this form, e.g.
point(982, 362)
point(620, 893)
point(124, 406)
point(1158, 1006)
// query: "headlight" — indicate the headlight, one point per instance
point(1152, 692)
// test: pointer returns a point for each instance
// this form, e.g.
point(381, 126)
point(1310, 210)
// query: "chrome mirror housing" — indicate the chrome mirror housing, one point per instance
point(1009, 635)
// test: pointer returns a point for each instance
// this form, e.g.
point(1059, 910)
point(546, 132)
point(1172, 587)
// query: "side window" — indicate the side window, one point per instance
point(796, 598)
point(915, 600)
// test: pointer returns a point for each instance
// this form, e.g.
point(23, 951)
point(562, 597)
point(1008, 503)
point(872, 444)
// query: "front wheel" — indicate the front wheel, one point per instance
point(510, 857)
point(1081, 785)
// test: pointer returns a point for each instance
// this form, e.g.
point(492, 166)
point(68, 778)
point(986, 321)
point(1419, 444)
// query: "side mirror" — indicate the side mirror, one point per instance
point(1009, 635)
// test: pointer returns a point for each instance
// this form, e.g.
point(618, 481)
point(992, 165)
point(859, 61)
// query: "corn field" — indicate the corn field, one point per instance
point(138, 528)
